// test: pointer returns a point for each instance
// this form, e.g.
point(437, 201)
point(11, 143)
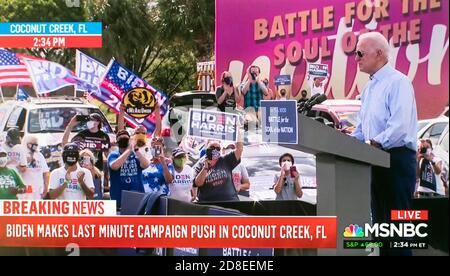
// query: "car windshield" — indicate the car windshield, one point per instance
point(47, 120)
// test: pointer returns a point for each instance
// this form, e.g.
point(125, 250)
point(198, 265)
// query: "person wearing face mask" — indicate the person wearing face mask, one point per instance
point(125, 167)
point(429, 168)
point(317, 84)
point(17, 153)
point(181, 186)
point(36, 176)
point(159, 174)
point(87, 161)
point(227, 95)
point(92, 138)
point(282, 94)
point(213, 173)
point(304, 97)
point(71, 182)
point(287, 183)
point(11, 184)
point(240, 175)
point(253, 90)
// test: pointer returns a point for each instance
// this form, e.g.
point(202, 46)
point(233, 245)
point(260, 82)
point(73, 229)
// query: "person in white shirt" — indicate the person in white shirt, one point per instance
point(240, 175)
point(181, 186)
point(71, 182)
point(17, 153)
point(317, 84)
point(37, 174)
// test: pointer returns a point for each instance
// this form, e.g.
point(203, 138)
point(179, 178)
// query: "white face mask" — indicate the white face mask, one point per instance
point(429, 151)
point(91, 124)
point(3, 161)
point(286, 165)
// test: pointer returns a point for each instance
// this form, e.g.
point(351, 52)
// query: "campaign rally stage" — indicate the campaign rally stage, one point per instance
point(51, 35)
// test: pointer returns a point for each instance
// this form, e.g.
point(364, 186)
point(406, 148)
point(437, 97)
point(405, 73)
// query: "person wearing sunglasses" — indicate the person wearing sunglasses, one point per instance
point(213, 173)
point(388, 121)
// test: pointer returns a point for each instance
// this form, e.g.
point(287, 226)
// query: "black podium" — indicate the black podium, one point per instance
point(343, 171)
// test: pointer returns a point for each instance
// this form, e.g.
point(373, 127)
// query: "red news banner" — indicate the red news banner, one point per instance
point(32, 230)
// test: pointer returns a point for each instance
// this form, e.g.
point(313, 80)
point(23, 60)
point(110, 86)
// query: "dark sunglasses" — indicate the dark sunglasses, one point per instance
point(214, 148)
point(359, 54)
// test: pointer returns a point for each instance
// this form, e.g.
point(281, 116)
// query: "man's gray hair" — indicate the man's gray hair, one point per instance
point(379, 42)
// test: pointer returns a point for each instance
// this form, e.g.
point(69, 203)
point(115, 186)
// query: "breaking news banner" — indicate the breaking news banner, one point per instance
point(213, 125)
point(408, 229)
point(90, 224)
point(51, 35)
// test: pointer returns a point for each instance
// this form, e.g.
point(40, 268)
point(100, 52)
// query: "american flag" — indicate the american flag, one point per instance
point(12, 70)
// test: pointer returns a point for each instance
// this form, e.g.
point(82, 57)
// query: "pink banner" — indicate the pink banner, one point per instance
point(283, 36)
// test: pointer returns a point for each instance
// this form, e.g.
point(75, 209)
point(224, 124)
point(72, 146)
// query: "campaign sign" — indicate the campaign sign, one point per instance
point(213, 125)
point(139, 102)
point(188, 251)
point(283, 80)
point(318, 70)
point(279, 121)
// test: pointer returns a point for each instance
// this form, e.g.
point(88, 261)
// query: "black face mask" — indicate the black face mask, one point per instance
point(70, 158)
point(283, 93)
point(228, 80)
point(123, 143)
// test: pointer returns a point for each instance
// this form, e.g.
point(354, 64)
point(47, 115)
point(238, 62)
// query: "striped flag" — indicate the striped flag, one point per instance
point(12, 70)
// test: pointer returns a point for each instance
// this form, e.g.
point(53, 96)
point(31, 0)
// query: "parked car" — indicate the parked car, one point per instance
point(178, 115)
point(47, 119)
point(341, 113)
point(432, 128)
point(440, 149)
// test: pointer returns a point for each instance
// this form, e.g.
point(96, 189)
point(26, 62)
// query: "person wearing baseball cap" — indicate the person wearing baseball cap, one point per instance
point(17, 153)
point(11, 183)
point(71, 182)
point(93, 137)
point(181, 186)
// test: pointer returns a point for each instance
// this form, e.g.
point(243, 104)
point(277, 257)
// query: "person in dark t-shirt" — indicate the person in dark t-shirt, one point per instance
point(213, 173)
point(227, 95)
point(92, 138)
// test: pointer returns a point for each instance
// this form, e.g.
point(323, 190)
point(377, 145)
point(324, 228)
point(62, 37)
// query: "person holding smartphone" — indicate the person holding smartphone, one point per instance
point(287, 183)
point(429, 168)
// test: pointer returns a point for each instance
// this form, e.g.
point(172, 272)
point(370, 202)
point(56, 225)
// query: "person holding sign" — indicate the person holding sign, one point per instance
point(227, 95)
point(213, 173)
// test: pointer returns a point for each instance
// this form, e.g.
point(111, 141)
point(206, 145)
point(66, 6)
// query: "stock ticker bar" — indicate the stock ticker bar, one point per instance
point(51, 35)
point(361, 244)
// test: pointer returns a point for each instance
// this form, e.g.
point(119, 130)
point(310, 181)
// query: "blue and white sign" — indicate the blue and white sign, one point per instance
point(279, 122)
point(239, 252)
point(283, 80)
point(213, 125)
point(89, 70)
point(318, 70)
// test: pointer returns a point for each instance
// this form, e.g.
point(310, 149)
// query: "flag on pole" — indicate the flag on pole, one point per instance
point(12, 69)
point(89, 70)
point(48, 76)
point(118, 80)
point(21, 95)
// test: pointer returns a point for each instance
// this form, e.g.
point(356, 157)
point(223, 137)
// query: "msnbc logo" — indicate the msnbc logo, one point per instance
point(353, 231)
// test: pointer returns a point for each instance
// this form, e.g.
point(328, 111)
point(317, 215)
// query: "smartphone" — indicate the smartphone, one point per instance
point(82, 118)
point(293, 171)
point(423, 150)
point(209, 154)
